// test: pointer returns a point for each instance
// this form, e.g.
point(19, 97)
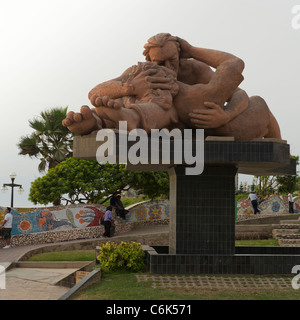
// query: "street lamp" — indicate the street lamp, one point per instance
point(12, 185)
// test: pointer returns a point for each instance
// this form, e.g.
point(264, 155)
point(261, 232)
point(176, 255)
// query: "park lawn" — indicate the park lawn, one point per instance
point(89, 255)
point(74, 255)
point(115, 286)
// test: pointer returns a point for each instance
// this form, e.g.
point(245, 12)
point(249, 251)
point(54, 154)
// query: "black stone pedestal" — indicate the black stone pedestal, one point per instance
point(203, 211)
point(202, 218)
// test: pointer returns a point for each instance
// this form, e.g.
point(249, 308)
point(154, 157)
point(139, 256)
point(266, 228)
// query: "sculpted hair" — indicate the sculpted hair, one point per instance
point(159, 40)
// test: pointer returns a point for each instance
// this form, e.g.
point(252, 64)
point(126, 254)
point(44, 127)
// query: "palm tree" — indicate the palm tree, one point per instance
point(51, 142)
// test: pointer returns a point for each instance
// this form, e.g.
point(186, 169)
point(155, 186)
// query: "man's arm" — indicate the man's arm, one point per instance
point(213, 58)
point(215, 116)
point(3, 224)
point(227, 75)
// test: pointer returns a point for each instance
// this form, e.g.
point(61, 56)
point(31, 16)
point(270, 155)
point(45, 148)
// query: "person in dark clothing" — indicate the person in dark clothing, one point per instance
point(120, 208)
point(108, 220)
point(253, 198)
point(291, 203)
point(113, 204)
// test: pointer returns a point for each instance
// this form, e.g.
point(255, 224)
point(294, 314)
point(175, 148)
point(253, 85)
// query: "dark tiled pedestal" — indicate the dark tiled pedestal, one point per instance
point(202, 211)
point(202, 220)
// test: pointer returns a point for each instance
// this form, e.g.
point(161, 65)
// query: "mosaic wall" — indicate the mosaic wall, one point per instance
point(149, 211)
point(273, 205)
point(78, 216)
point(28, 221)
point(54, 219)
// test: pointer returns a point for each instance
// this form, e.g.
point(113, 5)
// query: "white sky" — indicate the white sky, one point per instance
point(54, 51)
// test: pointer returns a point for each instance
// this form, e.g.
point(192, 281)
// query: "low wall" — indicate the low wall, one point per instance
point(36, 220)
point(275, 205)
point(149, 211)
point(65, 223)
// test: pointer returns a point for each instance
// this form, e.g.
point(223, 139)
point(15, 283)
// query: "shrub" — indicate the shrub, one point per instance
point(123, 256)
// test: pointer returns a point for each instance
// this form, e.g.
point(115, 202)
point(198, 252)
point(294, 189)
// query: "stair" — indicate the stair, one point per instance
point(288, 233)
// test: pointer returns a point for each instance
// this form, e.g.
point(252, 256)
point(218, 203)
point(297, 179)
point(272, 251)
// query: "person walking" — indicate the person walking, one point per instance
point(108, 220)
point(291, 203)
point(253, 198)
point(7, 227)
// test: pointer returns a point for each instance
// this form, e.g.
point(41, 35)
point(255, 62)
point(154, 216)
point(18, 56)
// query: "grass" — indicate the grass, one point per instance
point(77, 255)
point(89, 255)
point(114, 285)
point(266, 242)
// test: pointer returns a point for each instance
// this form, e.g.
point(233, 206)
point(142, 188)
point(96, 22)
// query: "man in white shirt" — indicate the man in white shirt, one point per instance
point(253, 198)
point(7, 227)
point(291, 203)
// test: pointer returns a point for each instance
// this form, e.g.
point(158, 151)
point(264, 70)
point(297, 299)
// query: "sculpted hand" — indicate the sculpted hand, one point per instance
point(185, 48)
point(145, 82)
point(213, 116)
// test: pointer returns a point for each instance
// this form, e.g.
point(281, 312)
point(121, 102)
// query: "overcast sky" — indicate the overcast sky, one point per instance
point(54, 51)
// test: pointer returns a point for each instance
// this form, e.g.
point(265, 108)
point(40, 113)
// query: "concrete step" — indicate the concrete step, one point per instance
point(288, 226)
point(279, 232)
point(289, 242)
point(289, 222)
point(290, 236)
point(252, 235)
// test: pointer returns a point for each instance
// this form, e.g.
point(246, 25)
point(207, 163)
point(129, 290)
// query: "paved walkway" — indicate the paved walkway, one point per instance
point(29, 283)
point(39, 284)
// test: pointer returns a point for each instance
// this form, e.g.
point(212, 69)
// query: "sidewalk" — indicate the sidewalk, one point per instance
point(30, 283)
point(39, 283)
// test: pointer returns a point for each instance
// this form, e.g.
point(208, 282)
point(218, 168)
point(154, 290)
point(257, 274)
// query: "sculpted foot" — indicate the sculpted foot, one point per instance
point(122, 114)
point(84, 122)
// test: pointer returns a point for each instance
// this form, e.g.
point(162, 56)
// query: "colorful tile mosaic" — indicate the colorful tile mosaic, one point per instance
point(274, 205)
point(148, 211)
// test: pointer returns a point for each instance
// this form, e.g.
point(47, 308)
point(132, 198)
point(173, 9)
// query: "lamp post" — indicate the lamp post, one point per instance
point(12, 185)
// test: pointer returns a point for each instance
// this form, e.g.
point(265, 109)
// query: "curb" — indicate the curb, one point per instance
point(88, 280)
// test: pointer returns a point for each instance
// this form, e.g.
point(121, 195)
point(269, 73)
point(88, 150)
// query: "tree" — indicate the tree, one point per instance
point(288, 183)
point(265, 185)
point(151, 184)
point(50, 142)
point(79, 180)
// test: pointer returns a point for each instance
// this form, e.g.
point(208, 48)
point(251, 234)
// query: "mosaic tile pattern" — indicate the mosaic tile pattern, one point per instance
point(149, 211)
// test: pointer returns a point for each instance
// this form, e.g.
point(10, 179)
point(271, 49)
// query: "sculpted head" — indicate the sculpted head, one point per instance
point(163, 49)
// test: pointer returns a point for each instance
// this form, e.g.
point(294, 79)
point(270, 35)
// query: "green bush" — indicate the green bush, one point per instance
point(123, 256)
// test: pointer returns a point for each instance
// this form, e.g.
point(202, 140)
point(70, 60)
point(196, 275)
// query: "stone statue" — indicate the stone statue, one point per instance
point(177, 88)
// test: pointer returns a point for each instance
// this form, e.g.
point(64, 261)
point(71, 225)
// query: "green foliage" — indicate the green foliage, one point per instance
point(123, 256)
point(79, 180)
point(50, 142)
point(151, 184)
point(241, 196)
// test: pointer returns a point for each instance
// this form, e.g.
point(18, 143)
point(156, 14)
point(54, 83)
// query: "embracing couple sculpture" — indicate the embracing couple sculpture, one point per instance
point(177, 88)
